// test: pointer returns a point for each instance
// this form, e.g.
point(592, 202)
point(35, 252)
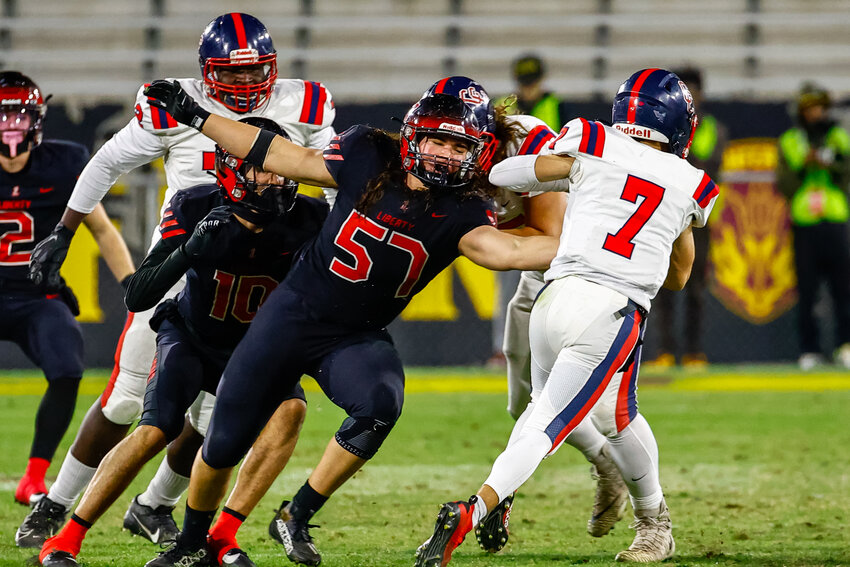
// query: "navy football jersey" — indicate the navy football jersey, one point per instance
point(221, 297)
point(32, 202)
point(362, 270)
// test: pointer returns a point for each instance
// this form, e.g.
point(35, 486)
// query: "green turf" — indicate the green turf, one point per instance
point(752, 478)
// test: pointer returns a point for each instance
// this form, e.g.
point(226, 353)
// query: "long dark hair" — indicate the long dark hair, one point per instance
point(388, 145)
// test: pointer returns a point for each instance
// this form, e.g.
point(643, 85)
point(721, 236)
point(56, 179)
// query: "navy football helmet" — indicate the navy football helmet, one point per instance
point(22, 110)
point(440, 115)
point(238, 43)
point(259, 203)
point(654, 104)
point(476, 98)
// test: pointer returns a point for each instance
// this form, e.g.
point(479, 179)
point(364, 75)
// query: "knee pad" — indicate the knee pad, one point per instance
point(201, 411)
point(363, 436)
point(122, 401)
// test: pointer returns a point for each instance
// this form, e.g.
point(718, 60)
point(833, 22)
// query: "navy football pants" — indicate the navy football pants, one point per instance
point(180, 372)
point(359, 371)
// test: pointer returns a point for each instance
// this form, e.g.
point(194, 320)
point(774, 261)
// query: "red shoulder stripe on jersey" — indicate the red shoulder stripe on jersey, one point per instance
point(535, 140)
point(167, 223)
point(240, 30)
point(168, 213)
point(561, 134)
point(630, 117)
point(592, 138)
point(313, 111)
point(333, 157)
point(175, 232)
point(160, 119)
point(585, 135)
point(706, 191)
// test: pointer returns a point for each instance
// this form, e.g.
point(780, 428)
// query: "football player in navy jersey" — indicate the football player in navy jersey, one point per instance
point(235, 241)
point(404, 211)
point(36, 178)
point(239, 78)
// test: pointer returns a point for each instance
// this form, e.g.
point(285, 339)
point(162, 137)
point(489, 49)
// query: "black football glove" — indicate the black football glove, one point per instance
point(171, 97)
point(47, 258)
point(213, 236)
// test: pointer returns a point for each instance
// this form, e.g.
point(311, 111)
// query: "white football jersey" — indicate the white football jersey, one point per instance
point(628, 204)
point(510, 211)
point(303, 109)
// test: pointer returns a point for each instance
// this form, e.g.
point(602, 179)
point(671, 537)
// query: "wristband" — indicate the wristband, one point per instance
point(260, 149)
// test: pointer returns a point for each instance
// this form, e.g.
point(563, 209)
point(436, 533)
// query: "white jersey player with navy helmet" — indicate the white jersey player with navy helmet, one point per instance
point(536, 208)
point(627, 231)
point(239, 68)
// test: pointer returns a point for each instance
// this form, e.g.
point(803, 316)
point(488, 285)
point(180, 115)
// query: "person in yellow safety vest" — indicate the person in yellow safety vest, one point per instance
point(706, 152)
point(531, 98)
point(814, 175)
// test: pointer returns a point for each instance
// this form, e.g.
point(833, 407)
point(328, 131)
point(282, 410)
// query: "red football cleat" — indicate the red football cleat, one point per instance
point(453, 523)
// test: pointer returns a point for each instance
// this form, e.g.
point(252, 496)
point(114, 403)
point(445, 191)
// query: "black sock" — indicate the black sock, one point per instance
point(306, 503)
point(54, 416)
point(196, 525)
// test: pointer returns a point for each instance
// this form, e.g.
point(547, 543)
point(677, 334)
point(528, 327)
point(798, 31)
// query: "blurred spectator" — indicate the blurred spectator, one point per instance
point(706, 152)
point(813, 173)
point(531, 98)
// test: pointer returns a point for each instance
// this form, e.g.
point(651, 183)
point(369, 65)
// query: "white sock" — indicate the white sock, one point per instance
point(73, 478)
point(479, 511)
point(166, 487)
point(648, 504)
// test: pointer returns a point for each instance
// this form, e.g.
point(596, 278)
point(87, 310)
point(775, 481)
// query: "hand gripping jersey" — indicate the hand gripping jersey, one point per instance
point(362, 270)
point(628, 204)
point(222, 296)
point(32, 202)
point(304, 109)
point(510, 212)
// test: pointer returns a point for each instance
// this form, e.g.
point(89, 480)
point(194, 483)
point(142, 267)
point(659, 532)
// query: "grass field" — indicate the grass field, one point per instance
point(755, 464)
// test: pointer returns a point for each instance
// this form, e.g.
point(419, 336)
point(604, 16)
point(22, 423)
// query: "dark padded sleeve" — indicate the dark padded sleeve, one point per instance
point(160, 270)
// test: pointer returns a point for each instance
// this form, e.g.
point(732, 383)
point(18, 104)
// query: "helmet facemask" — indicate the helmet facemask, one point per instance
point(22, 111)
point(440, 117)
point(241, 97)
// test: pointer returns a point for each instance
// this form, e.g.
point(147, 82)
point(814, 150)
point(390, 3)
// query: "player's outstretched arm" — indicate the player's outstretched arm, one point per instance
point(112, 246)
point(533, 173)
point(497, 250)
point(681, 261)
point(272, 153)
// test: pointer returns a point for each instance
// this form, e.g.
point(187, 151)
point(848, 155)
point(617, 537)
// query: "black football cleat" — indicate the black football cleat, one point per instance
point(492, 533)
point(59, 559)
point(43, 521)
point(153, 524)
point(453, 523)
point(236, 558)
point(294, 537)
point(180, 556)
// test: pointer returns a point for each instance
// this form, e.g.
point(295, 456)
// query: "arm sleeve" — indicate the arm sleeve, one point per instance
point(160, 270)
point(517, 174)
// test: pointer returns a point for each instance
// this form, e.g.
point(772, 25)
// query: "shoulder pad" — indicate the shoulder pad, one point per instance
point(317, 108)
point(151, 118)
point(580, 136)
